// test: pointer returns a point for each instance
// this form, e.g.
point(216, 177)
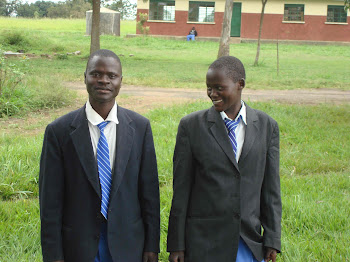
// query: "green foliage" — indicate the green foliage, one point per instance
point(69, 9)
point(36, 14)
point(20, 93)
point(7, 7)
point(141, 24)
point(28, 10)
point(41, 9)
point(126, 9)
point(62, 56)
point(17, 39)
point(10, 77)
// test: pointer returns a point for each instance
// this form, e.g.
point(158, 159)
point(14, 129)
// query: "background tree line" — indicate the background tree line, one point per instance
point(67, 9)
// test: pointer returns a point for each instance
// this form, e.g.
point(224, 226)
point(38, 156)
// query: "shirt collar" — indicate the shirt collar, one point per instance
point(242, 113)
point(94, 118)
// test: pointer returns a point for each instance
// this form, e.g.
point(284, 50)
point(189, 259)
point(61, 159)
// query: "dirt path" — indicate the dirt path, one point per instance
point(143, 99)
point(148, 95)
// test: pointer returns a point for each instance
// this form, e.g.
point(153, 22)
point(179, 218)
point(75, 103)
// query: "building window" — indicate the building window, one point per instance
point(162, 10)
point(201, 11)
point(293, 13)
point(336, 13)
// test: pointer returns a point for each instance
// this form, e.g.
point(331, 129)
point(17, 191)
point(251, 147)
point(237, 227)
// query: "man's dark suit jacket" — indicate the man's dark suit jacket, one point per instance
point(70, 194)
point(215, 200)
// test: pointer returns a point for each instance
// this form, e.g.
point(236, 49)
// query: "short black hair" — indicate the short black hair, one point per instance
point(232, 66)
point(104, 53)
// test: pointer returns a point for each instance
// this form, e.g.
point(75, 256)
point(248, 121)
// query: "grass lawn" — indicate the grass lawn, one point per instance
point(173, 63)
point(314, 179)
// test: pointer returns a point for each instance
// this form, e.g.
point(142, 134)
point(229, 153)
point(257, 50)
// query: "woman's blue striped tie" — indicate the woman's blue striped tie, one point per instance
point(231, 126)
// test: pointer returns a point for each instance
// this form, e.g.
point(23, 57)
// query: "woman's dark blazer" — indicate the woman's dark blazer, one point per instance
point(215, 199)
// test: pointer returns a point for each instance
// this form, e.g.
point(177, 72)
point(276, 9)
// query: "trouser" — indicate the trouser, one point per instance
point(103, 254)
point(244, 254)
point(190, 37)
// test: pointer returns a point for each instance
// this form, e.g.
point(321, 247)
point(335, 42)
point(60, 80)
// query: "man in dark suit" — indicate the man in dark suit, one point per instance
point(99, 191)
point(226, 177)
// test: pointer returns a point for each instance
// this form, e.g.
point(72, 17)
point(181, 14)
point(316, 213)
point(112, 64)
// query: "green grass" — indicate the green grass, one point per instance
point(174, 63)
point(20, 231)
point(58, 25)
point(315, 181)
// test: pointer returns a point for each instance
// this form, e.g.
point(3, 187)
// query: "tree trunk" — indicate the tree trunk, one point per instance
point(260, 29)
point(224, 48)
point(95, 26)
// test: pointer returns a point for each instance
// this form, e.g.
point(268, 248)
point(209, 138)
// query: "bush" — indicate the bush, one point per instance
point(140, 25)
point(62, 56)
point(16, 39)
point(10, 78)
point(19, 94)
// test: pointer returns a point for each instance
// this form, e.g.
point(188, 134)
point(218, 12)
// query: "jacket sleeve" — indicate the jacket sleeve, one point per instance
point(51, 189)
point(182, 184)
point(149, 193)
point(271, 206)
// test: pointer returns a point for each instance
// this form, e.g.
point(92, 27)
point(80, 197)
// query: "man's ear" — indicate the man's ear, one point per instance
point(241, 83)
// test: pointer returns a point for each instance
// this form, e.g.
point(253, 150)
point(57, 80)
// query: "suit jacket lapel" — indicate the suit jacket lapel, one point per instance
point(218, 129)
point(125, 137)
point(250, 133)
point(82, 143)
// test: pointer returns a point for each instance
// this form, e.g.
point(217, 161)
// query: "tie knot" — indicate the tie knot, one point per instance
point(102, 125)
point(232, 124)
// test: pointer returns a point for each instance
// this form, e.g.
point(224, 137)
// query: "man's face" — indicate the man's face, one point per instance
point(223, 92)
point(103, 78)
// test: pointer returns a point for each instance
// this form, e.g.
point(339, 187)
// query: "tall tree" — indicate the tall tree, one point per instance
point(2, 7)
point(95, 26)
point(224, 48)
point(260, 29)
point(43, 7)
point(347, 4)
point(27, 10)
point(124, 7)
point(8, 7)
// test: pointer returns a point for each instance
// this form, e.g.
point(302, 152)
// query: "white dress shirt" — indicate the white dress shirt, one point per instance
point(240, 130)
point(110, 130)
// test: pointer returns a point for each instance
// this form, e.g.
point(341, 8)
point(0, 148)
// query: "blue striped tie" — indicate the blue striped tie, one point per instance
point(231, 126)
point(104, 168)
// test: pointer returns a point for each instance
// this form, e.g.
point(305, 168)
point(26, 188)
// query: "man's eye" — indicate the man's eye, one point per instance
point(95, 74)
point(220, 88)
point(209, 88)
point(112, 76)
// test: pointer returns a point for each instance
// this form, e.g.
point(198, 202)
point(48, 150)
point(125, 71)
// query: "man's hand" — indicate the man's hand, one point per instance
point(177, 256)
point(150, 257)
point(270, 254)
